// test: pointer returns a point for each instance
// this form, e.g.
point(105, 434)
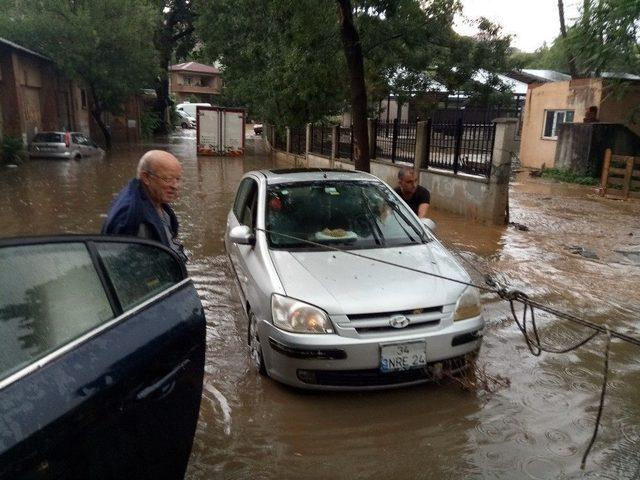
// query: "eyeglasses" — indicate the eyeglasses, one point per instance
point(167, 180)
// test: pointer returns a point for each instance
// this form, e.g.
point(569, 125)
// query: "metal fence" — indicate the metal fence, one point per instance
point(280, 139)
point(321, 140)
point(396, 141)
point(461, 147)
point(298, 137)
point(345, 143)
point(451, 145)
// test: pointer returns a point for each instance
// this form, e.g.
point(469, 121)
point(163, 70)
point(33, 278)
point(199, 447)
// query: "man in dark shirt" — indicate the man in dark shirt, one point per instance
point(417, 197)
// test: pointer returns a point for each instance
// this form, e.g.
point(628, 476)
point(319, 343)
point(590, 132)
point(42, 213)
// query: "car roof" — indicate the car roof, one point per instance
point(288, 175)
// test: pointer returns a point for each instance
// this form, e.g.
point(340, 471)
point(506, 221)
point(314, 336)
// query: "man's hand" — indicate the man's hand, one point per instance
point(422, 210)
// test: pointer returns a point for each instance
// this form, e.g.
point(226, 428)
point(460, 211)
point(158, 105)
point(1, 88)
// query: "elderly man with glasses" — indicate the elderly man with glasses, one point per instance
point(142, 207)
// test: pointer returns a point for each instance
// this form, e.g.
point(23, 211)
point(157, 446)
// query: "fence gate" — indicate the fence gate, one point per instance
point(620, 176)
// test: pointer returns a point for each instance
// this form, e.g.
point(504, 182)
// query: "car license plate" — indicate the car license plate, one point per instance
point(403, 356)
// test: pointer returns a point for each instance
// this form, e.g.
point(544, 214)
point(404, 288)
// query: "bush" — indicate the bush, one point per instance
point(567, 176)
point(12, 150)
point(150, 121)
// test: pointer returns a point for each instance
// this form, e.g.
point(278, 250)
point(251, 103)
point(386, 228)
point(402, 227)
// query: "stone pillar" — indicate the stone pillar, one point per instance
point(422, 147)
point(335, 131)
point(371, 129)
point(503, 146)
point(307, 143)
point(288, 142)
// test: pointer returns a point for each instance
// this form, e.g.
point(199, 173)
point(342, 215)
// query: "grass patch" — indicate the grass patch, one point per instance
point(568, 177)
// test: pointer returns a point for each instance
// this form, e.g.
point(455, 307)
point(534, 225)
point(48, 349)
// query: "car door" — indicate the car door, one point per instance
point(243, 213)
point(102, 343)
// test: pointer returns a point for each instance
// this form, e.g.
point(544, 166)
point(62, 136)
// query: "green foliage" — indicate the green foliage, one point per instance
point(104, 44)
point(150, 121)
point(12, 150)
point(280, 58)
point(284, 59)
point(606, 37)
point(568, 177)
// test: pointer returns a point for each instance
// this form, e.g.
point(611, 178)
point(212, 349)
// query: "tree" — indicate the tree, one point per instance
point(103, 44)
point(355, 67)
point(296, 61)
point(173, 37)
point(280, 58)
point(568, 50)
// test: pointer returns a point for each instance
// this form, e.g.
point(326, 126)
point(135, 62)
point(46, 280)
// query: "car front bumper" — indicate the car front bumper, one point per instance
point(336, 362)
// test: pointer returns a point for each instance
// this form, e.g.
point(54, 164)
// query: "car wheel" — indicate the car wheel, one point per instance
point(255, 348)
point(78, 157)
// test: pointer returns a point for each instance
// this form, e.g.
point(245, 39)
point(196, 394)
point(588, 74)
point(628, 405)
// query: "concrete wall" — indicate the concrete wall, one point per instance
point(577, 95)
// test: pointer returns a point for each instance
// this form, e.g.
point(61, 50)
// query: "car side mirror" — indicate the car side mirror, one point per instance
point(242, 235)
point(430, 224)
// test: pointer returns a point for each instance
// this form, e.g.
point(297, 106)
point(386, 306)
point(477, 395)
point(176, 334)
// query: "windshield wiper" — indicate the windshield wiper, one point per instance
point(398, 211)
point(378, 236)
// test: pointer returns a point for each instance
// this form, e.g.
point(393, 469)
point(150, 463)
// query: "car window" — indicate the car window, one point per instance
point(49, 137)
point(250, 208)
point(49, 295)
point(244, 192)
point(348, 214)
point(137, 271)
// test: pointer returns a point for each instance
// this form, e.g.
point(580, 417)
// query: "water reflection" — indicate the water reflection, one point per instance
point(251, 427)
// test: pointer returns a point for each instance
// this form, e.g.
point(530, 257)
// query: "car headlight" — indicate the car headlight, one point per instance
point(468, 305)
point(298, 317)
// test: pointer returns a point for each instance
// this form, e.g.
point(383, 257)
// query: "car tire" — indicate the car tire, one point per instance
point(78, 157)
point(255, 347)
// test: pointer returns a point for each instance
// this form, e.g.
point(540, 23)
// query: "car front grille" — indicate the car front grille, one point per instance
point(380, 323)
point(376, 378)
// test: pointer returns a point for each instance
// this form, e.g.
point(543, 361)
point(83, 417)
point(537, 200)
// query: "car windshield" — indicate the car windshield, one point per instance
point(49, 137)
point(345, 214)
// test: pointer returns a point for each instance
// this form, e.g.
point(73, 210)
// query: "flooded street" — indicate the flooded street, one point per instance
point(536, 427)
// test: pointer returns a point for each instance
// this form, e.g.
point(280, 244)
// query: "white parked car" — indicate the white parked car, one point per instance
point(184, 120)
point(326, 319)
point(64, 145)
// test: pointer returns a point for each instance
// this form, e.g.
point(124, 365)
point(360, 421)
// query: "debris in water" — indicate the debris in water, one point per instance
point(519, 226)
point(579, 250)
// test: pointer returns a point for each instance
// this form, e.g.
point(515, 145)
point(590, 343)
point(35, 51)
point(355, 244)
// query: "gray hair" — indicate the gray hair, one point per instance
point(404, 171)
point(145, 164)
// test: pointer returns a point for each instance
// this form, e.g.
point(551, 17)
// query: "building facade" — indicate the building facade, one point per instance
point(193, 81)
point(550, 104)
point(35, 96)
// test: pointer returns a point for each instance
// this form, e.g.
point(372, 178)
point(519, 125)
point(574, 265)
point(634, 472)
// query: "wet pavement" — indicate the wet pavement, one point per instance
point(535, 425)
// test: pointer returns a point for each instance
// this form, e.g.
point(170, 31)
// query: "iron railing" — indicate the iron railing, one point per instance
point(345, 143)
point(321, 140)
point(298, 136)
point(461, 147)
point(456, 146)
point(396, 141)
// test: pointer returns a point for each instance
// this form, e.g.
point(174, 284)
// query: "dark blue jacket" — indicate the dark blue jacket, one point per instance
point(131, 208)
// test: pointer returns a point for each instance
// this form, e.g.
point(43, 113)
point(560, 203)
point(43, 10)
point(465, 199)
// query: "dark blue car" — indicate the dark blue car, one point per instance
point(102, 344)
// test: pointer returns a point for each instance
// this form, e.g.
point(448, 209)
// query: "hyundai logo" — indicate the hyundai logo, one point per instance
point(399, 321)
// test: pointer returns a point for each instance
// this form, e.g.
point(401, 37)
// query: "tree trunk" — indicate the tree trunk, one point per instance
point(97, 116)
point(163, 101)
point(573, 71)
point(96, 113)
point(355, 65)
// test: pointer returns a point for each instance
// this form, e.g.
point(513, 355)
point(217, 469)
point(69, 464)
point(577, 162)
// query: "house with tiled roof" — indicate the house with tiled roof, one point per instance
point(195, 81)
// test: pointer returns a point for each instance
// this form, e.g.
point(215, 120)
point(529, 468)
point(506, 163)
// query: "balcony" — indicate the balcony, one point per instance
point(179, 88)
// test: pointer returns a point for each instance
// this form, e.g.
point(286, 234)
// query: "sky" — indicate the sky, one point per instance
point(531, 22)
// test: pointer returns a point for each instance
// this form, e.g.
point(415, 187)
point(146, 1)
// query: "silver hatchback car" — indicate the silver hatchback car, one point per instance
point(318, 256)
point(64, 145)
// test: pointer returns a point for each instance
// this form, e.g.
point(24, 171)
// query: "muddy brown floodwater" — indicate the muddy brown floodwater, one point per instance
point(536, 427)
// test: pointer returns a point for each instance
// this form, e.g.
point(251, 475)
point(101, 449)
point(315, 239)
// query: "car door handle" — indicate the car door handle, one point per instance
point(164, 386)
